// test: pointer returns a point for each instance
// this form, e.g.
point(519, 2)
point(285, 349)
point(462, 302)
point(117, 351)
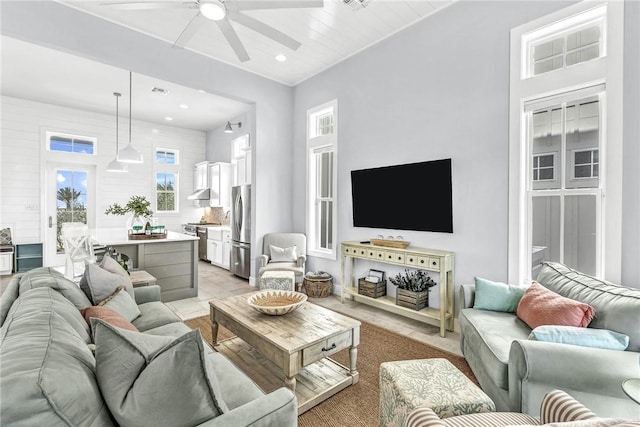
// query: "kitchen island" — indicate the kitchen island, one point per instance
point(173, 261)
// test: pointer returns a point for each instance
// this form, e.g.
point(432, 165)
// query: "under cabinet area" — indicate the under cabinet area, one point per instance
point(434, 260)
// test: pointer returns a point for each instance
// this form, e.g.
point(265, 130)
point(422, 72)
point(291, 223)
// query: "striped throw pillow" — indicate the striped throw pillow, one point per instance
point(557, 406)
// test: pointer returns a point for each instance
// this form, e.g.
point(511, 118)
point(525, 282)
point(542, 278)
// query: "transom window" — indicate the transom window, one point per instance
point(70, 143)
point(570, 42)
point(168, 157)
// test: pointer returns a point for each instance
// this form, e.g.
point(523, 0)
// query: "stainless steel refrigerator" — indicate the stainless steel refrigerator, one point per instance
point(241, 231)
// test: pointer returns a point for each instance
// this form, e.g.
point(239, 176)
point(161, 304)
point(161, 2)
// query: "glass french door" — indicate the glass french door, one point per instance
point(69, 199)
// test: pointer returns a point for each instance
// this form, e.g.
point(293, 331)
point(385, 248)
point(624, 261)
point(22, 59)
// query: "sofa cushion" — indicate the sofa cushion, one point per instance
point(541, 306)
point(617, 307)
point(112, 266)
point(490, 333)
point(139, 376)
point(122, 303)
point(51, 278)
point(154, 314)
point(41, 353)
point(98, 283)
point(586, 337)
point(110, 316)
point(497, 296)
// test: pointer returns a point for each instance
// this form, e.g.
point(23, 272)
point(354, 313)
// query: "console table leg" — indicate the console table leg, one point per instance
point(353, 358)
point(290, 382)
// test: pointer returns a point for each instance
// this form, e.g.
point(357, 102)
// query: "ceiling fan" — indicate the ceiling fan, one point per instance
point(222, 13)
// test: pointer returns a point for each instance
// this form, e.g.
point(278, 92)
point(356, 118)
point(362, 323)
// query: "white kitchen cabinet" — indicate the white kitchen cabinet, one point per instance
point(219, 246)
point(200, 175)
point(220, 184)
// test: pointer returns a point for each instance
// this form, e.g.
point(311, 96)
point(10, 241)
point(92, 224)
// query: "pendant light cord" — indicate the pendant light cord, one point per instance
point(117, 95)
point(130, 96)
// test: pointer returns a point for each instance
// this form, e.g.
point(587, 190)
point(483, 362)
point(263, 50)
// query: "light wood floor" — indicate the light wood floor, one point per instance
point(215, 282)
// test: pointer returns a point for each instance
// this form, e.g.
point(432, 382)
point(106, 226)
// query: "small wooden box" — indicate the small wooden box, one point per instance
point(370, 289)
point(410, 299)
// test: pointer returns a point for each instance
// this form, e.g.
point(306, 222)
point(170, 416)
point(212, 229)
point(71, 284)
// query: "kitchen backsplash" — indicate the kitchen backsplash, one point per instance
point(217, 215)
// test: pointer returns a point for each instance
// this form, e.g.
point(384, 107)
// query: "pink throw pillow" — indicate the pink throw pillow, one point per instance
point(109, 316)
point(541, 306)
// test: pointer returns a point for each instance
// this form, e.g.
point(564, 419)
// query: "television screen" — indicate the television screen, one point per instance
point(415, 196)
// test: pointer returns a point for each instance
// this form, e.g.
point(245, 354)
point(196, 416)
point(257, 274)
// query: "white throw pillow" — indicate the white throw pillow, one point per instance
point(283, 254)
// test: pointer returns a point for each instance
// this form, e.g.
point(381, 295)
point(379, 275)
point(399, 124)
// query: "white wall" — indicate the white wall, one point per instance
point(23, 124)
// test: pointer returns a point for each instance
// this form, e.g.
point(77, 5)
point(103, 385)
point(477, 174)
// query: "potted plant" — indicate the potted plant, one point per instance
point(138, 206)
point(413, 288)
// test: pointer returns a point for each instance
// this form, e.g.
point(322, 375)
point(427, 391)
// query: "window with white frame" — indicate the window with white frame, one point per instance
point(321, 180)
point(166, 180)
point(585, 164)
point(565, 99)
point(543, 167)
point(71, 143)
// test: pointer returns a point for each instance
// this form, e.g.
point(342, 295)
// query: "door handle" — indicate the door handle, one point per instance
point(50, 221)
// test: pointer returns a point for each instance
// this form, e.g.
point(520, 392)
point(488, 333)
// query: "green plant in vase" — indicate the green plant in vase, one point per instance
point(139, 207)
point(414, 281)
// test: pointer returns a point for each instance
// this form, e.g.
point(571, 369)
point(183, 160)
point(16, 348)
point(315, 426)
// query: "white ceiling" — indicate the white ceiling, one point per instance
point(41, 74)
point(328, 34)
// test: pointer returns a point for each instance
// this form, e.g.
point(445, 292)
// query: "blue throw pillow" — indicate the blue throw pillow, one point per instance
point(497, 296)
point(586, 337)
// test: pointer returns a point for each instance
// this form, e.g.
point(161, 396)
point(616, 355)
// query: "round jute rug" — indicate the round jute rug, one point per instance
point(357, 405)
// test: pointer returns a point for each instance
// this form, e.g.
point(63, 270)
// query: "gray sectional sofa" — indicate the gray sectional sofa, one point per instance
point(516, 372)
point(48, 370)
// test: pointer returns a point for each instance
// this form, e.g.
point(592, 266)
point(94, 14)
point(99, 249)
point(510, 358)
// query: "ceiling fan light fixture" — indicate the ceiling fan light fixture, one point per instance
point(213, 10)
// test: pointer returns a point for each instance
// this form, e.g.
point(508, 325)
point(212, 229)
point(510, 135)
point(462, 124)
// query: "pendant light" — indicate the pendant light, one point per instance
point(129, 154)
point(115, 165)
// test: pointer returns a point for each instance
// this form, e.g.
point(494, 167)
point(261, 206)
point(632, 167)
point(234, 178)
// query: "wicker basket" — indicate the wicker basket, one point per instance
point(318, 286)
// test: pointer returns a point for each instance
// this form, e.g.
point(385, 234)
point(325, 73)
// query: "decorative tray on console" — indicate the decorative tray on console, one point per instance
point(402, 244)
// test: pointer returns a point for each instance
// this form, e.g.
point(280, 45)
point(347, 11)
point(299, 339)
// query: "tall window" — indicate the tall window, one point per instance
point(321, 180)
point(565, 151)
point(166, 178)
point(565, 212)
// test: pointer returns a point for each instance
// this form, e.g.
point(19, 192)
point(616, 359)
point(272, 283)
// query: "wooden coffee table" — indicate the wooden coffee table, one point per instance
point(292, 349)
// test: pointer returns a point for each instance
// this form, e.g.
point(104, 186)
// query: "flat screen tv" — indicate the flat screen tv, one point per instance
point(414, 196)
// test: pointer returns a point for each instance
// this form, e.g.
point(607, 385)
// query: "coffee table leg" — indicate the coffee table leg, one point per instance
point(290, 382)
point(214, 332)
point(353, 357)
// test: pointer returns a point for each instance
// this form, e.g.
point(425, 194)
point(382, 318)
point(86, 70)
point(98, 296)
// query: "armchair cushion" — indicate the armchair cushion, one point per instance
point(279, 254)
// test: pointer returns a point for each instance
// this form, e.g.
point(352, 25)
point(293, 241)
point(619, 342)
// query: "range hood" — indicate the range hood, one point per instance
point(201, 194)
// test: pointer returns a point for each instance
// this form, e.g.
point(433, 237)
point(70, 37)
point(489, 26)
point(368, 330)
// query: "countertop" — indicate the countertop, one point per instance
point(119, 236)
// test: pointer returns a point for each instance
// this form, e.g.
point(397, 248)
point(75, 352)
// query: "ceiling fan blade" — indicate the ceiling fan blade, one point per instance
point(271, 4)
point(190, 30)
point(233, 39)
point(144, 5)
point(264, 29)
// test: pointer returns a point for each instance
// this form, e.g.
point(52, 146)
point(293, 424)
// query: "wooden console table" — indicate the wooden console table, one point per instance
point(411, 257)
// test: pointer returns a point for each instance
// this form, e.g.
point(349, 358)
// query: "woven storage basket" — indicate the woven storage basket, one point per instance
point(318, 285)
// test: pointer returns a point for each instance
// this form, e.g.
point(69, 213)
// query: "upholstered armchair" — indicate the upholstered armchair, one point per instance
point(284, 251)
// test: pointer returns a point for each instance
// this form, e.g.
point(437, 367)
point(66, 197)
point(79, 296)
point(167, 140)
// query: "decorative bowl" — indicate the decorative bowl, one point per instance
point(276, 302)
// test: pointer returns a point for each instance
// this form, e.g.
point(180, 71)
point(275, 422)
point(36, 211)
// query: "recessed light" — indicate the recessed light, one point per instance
point(280, 57)
point(184, 106)
point(168, 118)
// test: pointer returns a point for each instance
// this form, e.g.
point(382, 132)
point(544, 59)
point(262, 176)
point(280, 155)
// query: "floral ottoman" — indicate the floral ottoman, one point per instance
point(276, 279)
point(436, 383)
